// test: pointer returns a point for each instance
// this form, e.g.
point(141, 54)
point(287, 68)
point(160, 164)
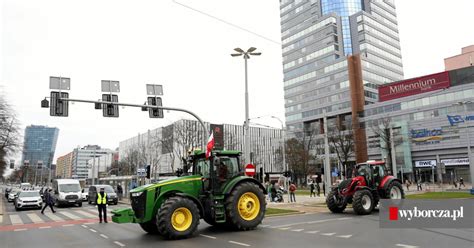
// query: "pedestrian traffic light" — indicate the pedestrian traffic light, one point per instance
point(148, 171)
point(154, 112)
point(59, 107)
point(110, 110)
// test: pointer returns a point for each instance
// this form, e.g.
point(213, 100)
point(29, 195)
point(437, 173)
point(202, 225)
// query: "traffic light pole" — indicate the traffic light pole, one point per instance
point(204, 138)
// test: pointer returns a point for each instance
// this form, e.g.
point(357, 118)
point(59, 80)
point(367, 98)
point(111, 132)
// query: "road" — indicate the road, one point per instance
point(78, 227)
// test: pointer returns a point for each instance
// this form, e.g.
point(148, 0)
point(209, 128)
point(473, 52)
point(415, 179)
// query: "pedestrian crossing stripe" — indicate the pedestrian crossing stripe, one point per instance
point(81, 212)
point(16, 220)
point(69, 215)
point(35, 218)
point(54, 217)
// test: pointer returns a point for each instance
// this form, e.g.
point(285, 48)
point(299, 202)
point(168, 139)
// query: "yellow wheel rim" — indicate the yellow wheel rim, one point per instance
point(249, 206)
point(181, 219)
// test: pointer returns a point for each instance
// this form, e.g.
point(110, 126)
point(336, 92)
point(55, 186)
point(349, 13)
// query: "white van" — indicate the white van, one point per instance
point(67, 192)
point(25, 186)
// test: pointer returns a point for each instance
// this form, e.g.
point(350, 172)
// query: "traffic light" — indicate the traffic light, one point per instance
point(110, 110)
point(59, 107)
point(148, 171)
point(154, 112)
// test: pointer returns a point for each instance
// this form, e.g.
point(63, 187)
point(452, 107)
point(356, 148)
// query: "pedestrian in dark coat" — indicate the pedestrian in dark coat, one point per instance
point(48, 201)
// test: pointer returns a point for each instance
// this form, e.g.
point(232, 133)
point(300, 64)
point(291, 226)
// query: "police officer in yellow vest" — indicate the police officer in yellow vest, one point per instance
point(102, 204)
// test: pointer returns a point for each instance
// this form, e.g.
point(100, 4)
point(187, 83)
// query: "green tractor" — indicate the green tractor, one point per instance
point(214, 189)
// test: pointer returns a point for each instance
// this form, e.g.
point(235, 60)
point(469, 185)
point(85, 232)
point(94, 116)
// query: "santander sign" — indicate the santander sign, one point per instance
point(414, 86)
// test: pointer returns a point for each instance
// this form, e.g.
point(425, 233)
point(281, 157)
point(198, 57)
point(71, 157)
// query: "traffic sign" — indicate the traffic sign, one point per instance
point(250, 170)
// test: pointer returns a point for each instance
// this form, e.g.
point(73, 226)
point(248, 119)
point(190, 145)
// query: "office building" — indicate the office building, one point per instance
point(336, 53)
point(39, 145)
point(81, 157)
point(465, 59)
point(64, 166)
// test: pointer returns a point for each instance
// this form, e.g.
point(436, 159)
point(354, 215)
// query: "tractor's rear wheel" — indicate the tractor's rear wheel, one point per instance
point(150, 226)
point(245, 206)
point(395, 191)
point(363, 202)
point(335, 204)
point(178, 217)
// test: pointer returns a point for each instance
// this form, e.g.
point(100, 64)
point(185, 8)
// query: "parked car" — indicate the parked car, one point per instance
point(111, 195)
point(85, 194)
point(28, 199)
point(12, 194)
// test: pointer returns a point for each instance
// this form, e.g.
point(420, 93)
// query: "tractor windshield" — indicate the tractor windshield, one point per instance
point(202, 167)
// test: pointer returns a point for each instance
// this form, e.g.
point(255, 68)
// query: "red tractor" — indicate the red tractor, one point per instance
point(370, 182)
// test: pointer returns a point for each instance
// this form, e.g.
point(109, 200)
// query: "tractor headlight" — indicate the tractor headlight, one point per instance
point(137, 194)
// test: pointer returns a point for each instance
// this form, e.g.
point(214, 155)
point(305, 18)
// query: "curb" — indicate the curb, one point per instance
point(1, 205)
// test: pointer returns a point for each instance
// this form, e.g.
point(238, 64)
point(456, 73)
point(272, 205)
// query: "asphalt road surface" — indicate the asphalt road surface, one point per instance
point(79, 227)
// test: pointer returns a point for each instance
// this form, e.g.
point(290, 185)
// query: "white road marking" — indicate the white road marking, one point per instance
point(89, 223)
point(45, 227)
point(238, 243)
point(20, 229)
point(84, 226)
point(406, 246)
point(1, 219)
point(72, 216)
point(15, 219)
point(345, 236)
point(284, 228)
point(264, 225)
point(313, 232)
point(35, 218)
point(92, 230)
point(103, 236)
point(207, 236)
point(89, 215)
point(297, 230)
point(69, 225)
point(119, 244)
point(328, 234)
point(313, 222)
point(54, 217)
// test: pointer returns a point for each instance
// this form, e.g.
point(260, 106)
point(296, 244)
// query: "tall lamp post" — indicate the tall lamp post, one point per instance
point(469, 153)
point(246, 55)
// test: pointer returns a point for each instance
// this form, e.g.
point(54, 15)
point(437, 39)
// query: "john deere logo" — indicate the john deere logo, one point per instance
point(423, 135)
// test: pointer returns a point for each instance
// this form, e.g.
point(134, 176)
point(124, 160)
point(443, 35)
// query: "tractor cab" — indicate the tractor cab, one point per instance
point(217, 170)
point(372, 171)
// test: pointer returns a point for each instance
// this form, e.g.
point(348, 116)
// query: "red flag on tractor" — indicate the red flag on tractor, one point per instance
point(210, 145)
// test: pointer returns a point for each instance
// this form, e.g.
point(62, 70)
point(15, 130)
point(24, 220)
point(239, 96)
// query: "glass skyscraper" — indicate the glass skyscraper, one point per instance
point(317, 38)
point(40, 145)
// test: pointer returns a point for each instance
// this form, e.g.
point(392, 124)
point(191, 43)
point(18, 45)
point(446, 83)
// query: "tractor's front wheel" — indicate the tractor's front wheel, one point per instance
point(363, 202)
point(395, 191)
point(335, 203)
point(245, 206)
point(178, 218)
point(150, 226)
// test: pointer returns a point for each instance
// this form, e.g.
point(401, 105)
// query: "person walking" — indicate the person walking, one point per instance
point(408, 183)
point(119, 192)
point(273, 191)
point(292, 192)
point(461, 182)
point(48, 201)
point(418, 186)
point(102, 204)
point(318, 188)
point(311, 188)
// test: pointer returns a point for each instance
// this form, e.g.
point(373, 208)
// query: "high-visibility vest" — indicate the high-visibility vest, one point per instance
point(101, 200)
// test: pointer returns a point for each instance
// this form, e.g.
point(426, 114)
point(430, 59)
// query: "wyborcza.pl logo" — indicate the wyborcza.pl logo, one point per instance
point(409, 214)
point(427, 213)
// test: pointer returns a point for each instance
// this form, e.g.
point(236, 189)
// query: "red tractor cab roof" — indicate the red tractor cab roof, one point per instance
point(375, 162)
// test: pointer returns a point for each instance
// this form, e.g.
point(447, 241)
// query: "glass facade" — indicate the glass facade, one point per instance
point(343, 8)
point(40, 145)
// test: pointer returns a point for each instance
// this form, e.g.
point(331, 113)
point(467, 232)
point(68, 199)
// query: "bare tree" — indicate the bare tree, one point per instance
point(9, 133)
point(342, 143)
point(381, 129)
point(299, 153)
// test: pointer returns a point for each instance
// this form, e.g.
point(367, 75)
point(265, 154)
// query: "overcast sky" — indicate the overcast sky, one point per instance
point(185, 50)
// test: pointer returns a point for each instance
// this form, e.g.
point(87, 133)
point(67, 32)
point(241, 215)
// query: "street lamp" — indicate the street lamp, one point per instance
point(469, 153)
point(246, 55)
